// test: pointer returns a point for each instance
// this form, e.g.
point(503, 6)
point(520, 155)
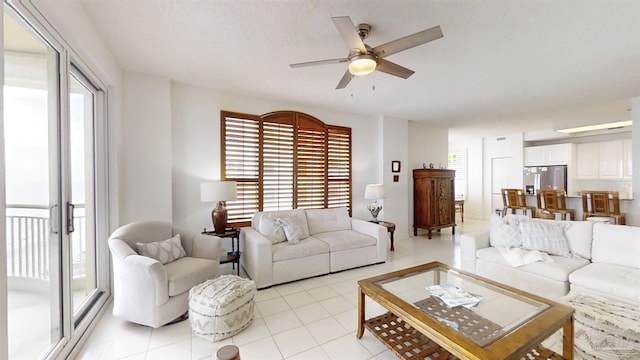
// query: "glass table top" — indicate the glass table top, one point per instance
point(498, 312)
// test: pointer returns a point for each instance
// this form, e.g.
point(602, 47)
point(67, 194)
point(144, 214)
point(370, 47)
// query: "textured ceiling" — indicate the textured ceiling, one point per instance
point(497, 60)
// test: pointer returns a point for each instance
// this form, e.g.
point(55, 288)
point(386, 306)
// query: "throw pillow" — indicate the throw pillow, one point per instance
point(545, 236)
point(503, 234)
point(271, 230)
point(165, 251)
point(293, 229)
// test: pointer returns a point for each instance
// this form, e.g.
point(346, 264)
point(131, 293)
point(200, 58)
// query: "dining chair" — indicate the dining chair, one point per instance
point(602, 204)
point(552, 202)
point(514, 200)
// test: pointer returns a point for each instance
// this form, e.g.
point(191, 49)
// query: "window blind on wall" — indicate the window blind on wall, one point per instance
point(339, 167)
point(458, 162)
point(277, 170)
point(284, 160)
point(311, 172)
point(241, 151)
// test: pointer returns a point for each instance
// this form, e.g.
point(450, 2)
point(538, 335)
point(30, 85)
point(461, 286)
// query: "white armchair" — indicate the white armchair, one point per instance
point(150, 293)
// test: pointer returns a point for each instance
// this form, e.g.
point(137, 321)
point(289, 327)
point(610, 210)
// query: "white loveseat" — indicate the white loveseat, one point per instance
point(333, 242)
point(605, 261)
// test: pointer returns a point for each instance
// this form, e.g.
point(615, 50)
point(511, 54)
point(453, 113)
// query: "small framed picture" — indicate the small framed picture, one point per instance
point(395, 166)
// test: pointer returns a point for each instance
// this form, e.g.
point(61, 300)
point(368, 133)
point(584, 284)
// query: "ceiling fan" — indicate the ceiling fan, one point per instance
point(364, 59)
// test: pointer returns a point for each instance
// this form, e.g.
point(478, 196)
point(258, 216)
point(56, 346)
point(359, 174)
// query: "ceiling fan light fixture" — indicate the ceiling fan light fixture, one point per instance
point(363, 64)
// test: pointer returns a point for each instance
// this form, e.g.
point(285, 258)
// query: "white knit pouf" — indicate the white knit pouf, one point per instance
point(222, 307)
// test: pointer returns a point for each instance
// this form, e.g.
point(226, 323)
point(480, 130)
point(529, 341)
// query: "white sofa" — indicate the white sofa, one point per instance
point(336, 242)
point(605, 261)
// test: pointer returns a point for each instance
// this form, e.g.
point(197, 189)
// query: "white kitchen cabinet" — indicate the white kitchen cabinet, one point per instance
point(627, 166)
point(557, 154)
point(534, 156)
point(610, 160)
point(604, 160)
point(588, 161)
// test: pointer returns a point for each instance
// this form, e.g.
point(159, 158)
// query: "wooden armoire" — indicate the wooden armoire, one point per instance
point(433, 200)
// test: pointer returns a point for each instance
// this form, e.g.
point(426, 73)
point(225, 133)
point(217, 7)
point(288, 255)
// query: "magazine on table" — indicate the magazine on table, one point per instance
point(453, 296)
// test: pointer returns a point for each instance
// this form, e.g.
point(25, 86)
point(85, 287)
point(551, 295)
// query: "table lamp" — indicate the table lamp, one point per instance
point(374, 192)
point(219, 191)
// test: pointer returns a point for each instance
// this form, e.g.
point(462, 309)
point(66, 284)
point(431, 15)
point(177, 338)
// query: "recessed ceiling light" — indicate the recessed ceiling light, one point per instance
point(612, 125)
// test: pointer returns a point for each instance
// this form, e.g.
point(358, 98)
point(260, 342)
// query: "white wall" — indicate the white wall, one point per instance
point(507, 151)
point(4, 344)
point(474, 207)
point(427, 144)
point(145, 178)
point(396, 148)
point(195, 147)
point(633, 212)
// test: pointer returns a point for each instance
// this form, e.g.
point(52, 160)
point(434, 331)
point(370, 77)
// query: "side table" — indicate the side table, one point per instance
point(459, 205)
point(391, 227)
point(232, 256)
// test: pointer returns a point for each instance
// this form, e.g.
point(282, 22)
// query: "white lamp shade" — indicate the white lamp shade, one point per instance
point(218, 191)
point(362, 65)
point(374, 191)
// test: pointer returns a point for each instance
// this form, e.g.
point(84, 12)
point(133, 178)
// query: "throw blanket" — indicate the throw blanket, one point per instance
point(519, 257)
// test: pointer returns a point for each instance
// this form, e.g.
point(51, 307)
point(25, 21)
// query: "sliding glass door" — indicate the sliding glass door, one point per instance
point(33, 179)
point(82, 100)
point(57, 272)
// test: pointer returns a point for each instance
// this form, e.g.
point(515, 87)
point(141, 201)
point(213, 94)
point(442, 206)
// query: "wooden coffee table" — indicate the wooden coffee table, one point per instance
point(506, 324)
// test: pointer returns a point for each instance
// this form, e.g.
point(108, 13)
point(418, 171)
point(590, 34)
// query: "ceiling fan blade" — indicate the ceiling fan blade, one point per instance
point(393, 69)
point(320, 62)
point(349, 34)
point(408, 42)
point(345, 80)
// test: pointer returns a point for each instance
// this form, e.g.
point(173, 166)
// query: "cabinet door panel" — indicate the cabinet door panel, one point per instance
point(534, 156)
point(610, 159)
point(588, 161)
point(627, 172)
point(557, 154)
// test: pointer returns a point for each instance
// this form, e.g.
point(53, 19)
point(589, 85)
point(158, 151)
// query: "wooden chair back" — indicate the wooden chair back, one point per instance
point(551, 202)
point(514, 199)
point(602, 203)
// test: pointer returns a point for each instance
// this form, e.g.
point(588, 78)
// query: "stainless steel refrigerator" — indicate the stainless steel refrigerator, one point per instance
point(545, 177)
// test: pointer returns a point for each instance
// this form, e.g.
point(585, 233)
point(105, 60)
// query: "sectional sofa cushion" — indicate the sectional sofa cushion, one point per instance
point(506, 232)
point(558, 270)
point(346, 240)
point(307, 247)
point(610, 279)
point(298, 213)
point(615, 244)
point(325, 220)
point(579, 236)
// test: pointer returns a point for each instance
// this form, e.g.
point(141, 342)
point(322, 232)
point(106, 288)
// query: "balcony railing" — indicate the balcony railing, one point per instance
point(29, 244)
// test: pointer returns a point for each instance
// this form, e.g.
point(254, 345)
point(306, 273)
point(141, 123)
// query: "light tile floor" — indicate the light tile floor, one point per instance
point(308, 319)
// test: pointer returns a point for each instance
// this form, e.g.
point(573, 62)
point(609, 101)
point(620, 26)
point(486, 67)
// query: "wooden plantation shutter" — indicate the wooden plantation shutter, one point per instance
point(240, 162)
point(311, 164)
point(339, 167)
point(284, 160)
point(277, 173)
